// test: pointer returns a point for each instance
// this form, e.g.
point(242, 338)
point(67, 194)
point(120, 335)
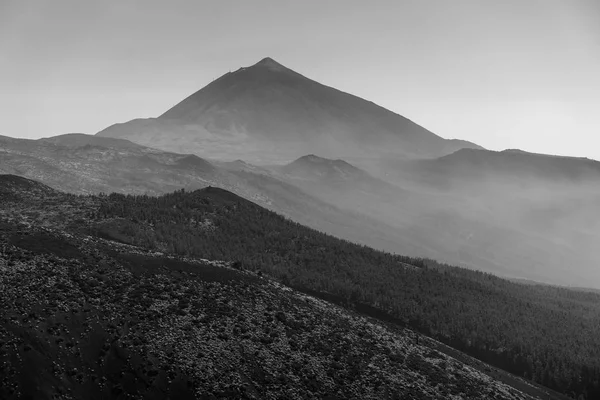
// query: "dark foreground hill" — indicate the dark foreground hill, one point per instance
point(86, 318)
point(119, 292)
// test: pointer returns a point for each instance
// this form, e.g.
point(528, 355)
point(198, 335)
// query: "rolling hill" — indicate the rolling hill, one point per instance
point(86, 164)
point(518, 215)
point(510, 218)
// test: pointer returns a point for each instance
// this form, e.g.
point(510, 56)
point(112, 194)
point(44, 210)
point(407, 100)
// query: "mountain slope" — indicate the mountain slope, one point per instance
point(90, 164)
point(467, 167)
point(268, 108)
point(552, 196)
point(166, 304)
point(156, 327)
point(530, 229)
point(517, 224)
point(348, 187)
point(311, 167)
point(85, 164)
point(503, 218)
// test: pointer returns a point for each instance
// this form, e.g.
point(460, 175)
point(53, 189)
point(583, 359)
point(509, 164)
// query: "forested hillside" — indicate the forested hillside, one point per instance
point(88, 318)
point(543, 333)
point(547, 334)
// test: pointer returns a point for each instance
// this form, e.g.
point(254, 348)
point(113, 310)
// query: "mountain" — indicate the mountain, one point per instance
point(343, 184)
point(91, 164)
point(551, 202)
point(166, 296)
point(519, 215)
point(312, 167)
point(532, 229)
point(467, 167)
point(75, 140)
point(551, 195)
point(269, 113)
point(86, 164)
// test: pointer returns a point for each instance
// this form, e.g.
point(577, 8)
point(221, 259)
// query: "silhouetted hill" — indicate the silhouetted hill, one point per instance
point(256, 111)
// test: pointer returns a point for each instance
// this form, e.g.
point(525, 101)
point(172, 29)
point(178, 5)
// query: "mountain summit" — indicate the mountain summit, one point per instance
point(271, 64)
point(267, 109)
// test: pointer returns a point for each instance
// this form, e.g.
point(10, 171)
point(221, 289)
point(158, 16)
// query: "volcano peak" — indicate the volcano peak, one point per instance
point(271, 64)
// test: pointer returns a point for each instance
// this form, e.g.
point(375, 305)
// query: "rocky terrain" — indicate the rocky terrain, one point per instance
point(86, 317)
point(90, 311)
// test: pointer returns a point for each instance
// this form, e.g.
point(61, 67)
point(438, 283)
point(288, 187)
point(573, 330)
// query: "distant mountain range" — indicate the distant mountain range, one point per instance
point(474, 208)
point(469, 166)
point(268, 113)
point(86, 164)
point(345, 166)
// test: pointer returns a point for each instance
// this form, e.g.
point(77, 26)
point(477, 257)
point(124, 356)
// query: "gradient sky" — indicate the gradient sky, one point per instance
point(504, 74)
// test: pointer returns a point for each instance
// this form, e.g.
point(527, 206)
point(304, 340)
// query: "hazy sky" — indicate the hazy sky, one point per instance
point(504, 74)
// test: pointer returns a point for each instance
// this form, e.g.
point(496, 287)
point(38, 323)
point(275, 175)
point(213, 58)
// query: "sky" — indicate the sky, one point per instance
point(503, 74)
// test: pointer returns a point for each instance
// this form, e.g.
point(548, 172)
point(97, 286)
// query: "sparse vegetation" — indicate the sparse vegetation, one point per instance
point(164, 319)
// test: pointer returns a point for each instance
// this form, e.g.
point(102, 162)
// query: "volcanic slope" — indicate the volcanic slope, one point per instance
point(119, 292)
point(87, 164)
point(535, 213)
point(515, 214)
point(268, 113)
point(89, 318)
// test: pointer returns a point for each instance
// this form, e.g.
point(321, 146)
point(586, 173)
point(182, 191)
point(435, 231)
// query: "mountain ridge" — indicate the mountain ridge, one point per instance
point(516, 163)
point(75, 166)
point(496, 225)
